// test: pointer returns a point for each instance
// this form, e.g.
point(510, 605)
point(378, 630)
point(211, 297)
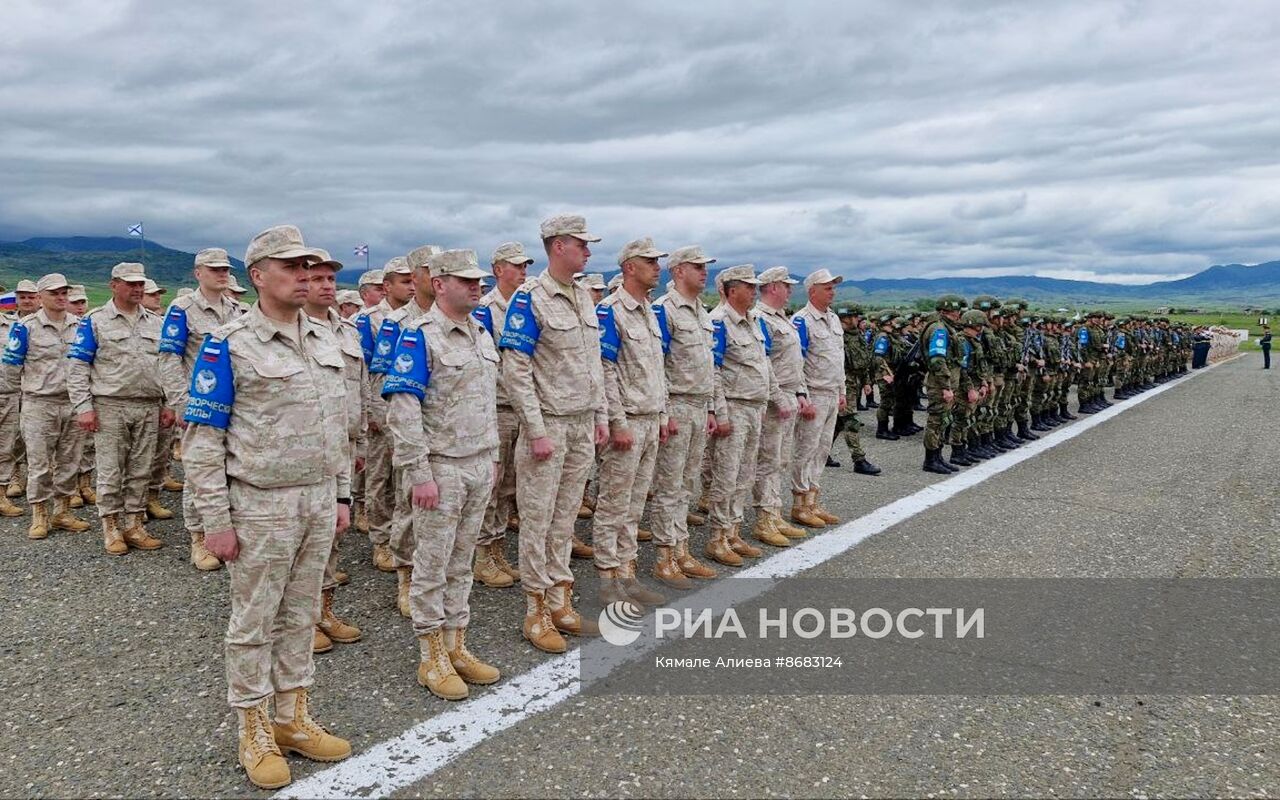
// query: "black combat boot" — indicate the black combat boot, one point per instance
point(995, 443)
point(1010, 441)
point(1024, 430)
point(865, 467)
point(1065, 412)
point(933, 463)
point(959, 457)
point(883, 432)
point(1037, 422)
point(831, 462)
point(979, 443)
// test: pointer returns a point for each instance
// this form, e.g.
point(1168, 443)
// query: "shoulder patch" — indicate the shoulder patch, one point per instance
point(409, 373)
point(610, 339)
point(660, 314)
point(85, 347)
point(939, 342)
point(882, 344)
point(384, 347)
point(521, 331)
point(174, 331)
point(15, 349)
point(1083, 336)
point(719, 341)
point(768, 336)
point(484, 315)
point(802, 327)
point(213, 390)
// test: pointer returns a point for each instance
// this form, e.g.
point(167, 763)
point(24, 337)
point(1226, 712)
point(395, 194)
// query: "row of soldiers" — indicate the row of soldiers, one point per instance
point(994, 373)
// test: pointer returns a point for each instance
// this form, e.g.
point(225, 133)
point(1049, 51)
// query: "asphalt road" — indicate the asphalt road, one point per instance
point(113, 668)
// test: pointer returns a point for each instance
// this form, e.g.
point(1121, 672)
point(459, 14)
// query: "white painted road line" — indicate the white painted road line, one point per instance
point(430, 745)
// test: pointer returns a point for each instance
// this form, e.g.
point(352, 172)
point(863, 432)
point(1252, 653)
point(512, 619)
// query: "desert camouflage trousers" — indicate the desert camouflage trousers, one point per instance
point(54, 443)
point(125, 446)
point(733, 463)
point(379, 495)
point(164, 452)
point(777, 451)
point(813, 441)
point(285, 538)
point(445, 541)
point(676, 477)
point(549, 494)
point(10, 430)
point(625, 476)
point(503, 502)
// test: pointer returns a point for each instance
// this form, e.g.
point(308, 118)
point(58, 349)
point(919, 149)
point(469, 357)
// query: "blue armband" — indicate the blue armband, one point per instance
point(15, 350)
point(213, 388)
point(85, 347)
point(610, 339)
point(521, 331)
point(174, 333)
point(409, 373)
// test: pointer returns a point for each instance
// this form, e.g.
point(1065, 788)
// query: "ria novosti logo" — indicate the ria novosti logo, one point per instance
point(620, 623)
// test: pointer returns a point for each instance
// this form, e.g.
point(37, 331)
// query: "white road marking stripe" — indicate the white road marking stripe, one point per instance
point(433, 743)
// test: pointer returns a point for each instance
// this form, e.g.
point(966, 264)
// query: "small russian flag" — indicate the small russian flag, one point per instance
point(9, 301)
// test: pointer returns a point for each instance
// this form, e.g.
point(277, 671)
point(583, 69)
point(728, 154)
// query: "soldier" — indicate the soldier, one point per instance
point(321, 295)
point(28, 298)
point(554, 377)
point(992, 344)
point(401, 527)
point(510, 264)
point(690, 376)
point(78, 304)
point(594, 283)
point(153, 301)
point(371, 287)
point(113, 384)
point(265, 451)
point(349, 303)
point(822, 342)
point(940, 341)
point(442, 413)
point(636, 396)
point(746, 383)
point(190, 318)
point(10, 428)
point(237, 293)
point(778, 428)
point(857, 381)
point(397, 289)
point(973, 390)
point(885, 350)
point(35, 357)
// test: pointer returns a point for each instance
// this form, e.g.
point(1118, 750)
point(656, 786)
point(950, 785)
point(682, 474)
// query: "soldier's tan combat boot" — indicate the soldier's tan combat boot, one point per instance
point(644, 535)
point(581, 549)
point(488, 572)
point(136, 534)
point(801, 514)
point(74, 500)
point(333, 627)
point(435, 670)
point(691, 566)
point(718, 549)
point(112, 538)
point(362, 517)
point(320, 643)
point(201, 558)
point(741, 547)
point(785, 528)
point(704, 502)
point(692, 520)
point(404, 579)
point(39, 522)
point(177, 449)
point(8, 509)
point(17, 486)
point(84, 486)
point(586, 510)
point(610, 590)
point(341, 577)
point(64, 520)
point(154, 509)
point(765, 531)
point(296, 731)
point(259, 754)
point(498, 550)
point(538, 628)
point(382, 558)
point(468, 667)
point(563, 615)
point(818, 511)
point(668, 572)
point(636, 591)
point(172, 484)
point(513, 523)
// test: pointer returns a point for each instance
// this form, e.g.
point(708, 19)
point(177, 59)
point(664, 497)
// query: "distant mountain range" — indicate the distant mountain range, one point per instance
point(88, 259)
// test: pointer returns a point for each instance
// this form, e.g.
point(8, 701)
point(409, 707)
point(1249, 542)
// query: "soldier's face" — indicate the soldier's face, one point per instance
point(509, 275)
point(54, 299)
point(213, 279)
point(457, 295)
point(422, 284)
point(150, 302)
point(848, 323)
point(28, 302)
point(322, 286)
point(821, 294)
point(398, 287)
point(776, 294)
point(371, 294)
point(596, 295)
point(646, 271)
point(127, 293)
point(347, 310)
point(692, 278)
point(78, 307)
point(572, 251)
point(282, 282)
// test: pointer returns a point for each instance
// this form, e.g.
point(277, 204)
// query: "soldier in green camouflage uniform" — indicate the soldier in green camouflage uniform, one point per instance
point(885, 351)
point(998, 354)
point(857, 364)
point(941, 341)
point(974, 390)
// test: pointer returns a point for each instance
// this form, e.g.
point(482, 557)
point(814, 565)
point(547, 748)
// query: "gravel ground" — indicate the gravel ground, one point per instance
point(116, 666)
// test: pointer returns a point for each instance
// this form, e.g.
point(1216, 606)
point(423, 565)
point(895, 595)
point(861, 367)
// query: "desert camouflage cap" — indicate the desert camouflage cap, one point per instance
point(130, 271)
point(457, 263)
point(640, 248)
point(567, 225)
point(614, 282)
point(950, 302)
point(590, 280)
point(689, 254)
point(184, 291)
point(349, 297)
point(776, 275)
point(281, 241)
point(511, 253)
point(821, 276)
point(213, 257)
point(742, 272)
point(396, 266)
point(421, 256)
point(235, 287)
point(373, 276)
point(325, 260)
point(78, 293)
point(54, 280)
point(26, 285)
point(150, 287)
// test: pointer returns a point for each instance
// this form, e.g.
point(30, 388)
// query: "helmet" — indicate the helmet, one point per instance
point(973, 318)
point(950, 302)
point(985, 302)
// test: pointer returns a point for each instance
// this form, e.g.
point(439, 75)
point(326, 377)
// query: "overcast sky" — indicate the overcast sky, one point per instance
point(1120, 141)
